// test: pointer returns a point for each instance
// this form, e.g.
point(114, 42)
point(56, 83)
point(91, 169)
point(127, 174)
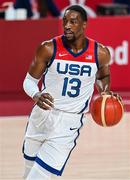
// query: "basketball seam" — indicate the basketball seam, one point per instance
point(103, 118)
point(115, 112)
point(102, 110)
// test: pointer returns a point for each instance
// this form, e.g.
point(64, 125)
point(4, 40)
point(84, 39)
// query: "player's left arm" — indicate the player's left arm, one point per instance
point(103, 73)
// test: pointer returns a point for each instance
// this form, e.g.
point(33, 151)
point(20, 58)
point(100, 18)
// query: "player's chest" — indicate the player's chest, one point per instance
point(73, 68)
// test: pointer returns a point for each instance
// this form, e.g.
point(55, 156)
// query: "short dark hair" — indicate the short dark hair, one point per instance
point(79, 9)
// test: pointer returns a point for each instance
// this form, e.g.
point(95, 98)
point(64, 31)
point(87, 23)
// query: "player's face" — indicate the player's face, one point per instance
point(73, 25)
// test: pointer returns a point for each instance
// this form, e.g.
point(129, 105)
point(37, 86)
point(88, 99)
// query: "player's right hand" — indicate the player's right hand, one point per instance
point(44, 100)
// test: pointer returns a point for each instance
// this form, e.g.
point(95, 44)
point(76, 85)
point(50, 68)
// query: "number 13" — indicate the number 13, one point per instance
point(75, 85)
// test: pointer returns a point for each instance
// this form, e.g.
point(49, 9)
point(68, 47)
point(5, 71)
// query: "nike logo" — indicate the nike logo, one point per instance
point(62, 54)
point(73, 129)
point(89, 57)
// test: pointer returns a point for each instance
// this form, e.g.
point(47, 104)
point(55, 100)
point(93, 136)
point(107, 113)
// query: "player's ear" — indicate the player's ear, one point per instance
point(84, 24)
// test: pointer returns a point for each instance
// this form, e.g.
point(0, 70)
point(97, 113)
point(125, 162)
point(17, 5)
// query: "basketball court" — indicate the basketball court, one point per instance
point(101, 153)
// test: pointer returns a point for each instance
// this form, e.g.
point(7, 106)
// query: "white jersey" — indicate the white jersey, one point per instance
point(70, 77)
point(51, 135)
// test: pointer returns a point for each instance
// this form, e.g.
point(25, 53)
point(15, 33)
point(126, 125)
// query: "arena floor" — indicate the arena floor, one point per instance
point(101, 153)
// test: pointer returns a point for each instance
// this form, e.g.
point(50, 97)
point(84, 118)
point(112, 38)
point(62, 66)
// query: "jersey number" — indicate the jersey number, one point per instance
point(74, 85)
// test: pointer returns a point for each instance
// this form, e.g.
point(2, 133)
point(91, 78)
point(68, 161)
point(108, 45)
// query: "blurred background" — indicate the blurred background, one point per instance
point(24, 24)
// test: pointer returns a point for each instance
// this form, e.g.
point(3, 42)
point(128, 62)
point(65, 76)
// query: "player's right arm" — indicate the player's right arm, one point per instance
point(38, 66)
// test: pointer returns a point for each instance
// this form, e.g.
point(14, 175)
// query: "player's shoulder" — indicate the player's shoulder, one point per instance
point(103, 54)
point(45, 49)
point(103, 50)
point(50, 43)
point(46, 46)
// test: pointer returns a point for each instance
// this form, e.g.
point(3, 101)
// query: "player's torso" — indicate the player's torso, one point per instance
point(70, 77)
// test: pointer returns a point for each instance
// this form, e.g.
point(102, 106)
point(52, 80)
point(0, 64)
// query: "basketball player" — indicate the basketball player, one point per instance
point(71, 64)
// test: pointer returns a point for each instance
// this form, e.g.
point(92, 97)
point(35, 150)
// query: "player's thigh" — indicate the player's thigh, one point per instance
point(57, 148)
point(30, 148)
point(35, 132)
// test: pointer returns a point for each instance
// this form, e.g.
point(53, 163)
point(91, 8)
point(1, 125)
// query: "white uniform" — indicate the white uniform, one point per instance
point(51, 135)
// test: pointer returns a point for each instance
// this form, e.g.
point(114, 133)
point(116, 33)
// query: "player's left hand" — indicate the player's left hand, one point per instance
point(112, 94)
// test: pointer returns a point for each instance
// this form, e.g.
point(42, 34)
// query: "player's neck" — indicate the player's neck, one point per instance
point(78, 45)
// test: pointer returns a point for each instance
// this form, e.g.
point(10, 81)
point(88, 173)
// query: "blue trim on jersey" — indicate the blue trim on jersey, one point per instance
point(53, 170)
point(47, 167)
point(51, 61)
point(70, 51)
point(43, 80)
point(54, 54)
point(96, 53)
point(86, 104)
point(29, 158)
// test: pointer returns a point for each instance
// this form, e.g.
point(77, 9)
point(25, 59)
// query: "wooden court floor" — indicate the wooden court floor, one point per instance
point(100, 154)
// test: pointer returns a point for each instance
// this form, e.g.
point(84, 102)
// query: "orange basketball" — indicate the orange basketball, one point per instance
point(106, 110)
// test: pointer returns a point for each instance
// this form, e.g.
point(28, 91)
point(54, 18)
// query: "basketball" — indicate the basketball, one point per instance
point(106, 110)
